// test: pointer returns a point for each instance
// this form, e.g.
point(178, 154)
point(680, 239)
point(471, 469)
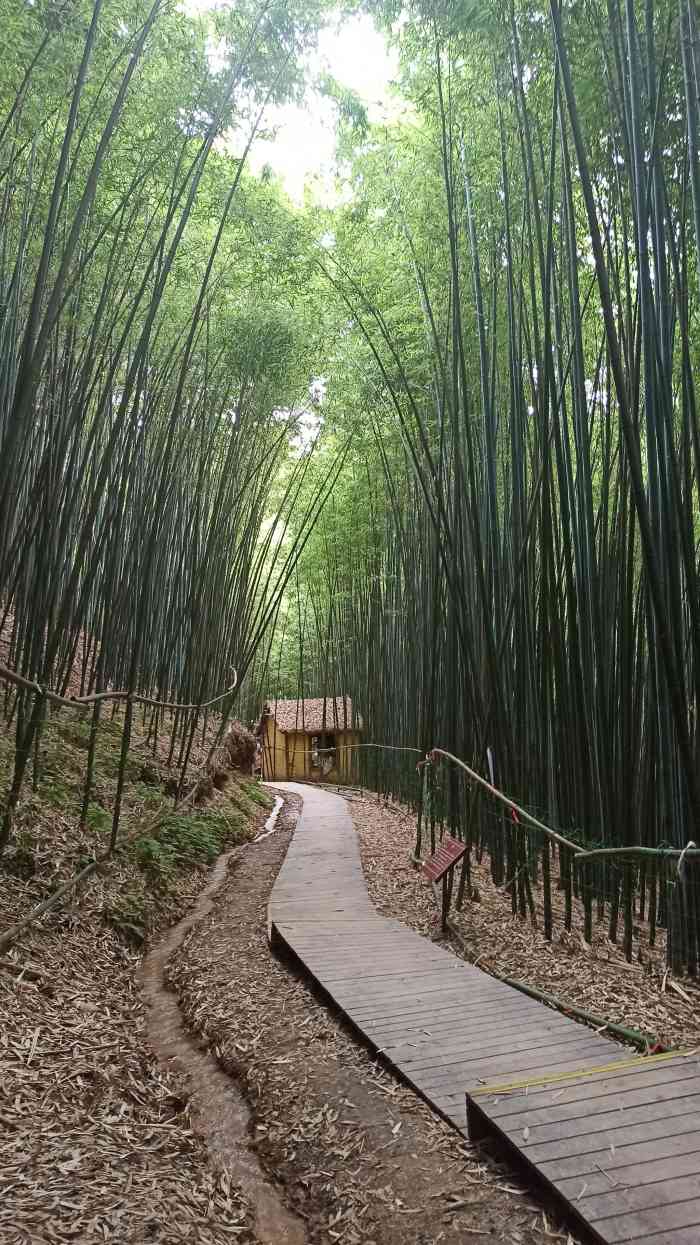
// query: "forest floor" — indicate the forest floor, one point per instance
point(361, 1158)
point(115, 1124)
point(96, 1139)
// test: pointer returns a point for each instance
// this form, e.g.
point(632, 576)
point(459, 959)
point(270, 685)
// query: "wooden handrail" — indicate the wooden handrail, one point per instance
point(581, 853)
point(80, 702)
point(506, 799)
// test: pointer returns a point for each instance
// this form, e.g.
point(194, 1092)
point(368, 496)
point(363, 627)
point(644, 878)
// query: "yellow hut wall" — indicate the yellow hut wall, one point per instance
point(273, 751)
point(298, 759)
point(346, 766)
point(287, 756)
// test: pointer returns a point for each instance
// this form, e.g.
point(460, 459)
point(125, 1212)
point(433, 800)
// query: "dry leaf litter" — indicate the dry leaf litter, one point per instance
point(364, 1161)
point(96, 1141)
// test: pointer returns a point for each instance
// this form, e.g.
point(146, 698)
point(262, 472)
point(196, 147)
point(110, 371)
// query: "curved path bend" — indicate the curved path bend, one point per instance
point(595, 1122)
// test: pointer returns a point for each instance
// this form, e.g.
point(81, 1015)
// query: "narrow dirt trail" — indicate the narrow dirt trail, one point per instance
point(220, 1112)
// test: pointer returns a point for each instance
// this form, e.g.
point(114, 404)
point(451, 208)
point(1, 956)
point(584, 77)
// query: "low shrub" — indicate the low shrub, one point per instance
point(185, 839)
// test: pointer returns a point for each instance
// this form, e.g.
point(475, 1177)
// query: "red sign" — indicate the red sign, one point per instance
point(447, 855)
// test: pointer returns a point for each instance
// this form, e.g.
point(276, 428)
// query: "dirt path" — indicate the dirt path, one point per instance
point(363, 1161)
point(96, 1142)
point(219, 1111)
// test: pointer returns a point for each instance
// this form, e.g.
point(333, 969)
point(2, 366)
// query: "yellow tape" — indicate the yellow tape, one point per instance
point(553, 1077)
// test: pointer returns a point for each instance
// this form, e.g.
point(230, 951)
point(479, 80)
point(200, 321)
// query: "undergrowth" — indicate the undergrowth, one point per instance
point(160, 848)
point(187, 838)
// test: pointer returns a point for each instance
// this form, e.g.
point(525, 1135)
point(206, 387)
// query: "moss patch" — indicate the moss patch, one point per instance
point(160, 848)
point(257, 794)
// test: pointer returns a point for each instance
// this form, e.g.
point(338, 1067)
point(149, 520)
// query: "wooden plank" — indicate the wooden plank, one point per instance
point(674, 1124)
point(588, 1125)
point(453, 1018)
point(377, 970)
point(679, 1236)
point(420, 1049)
point(568, 1057)
point(621, 1156)
point(425, 1004)
point(600, 1180)
point(616, 1141)
point(632, 1095)
point(337, 950)
point(535, 1039)
point(473, 1066)
point(456, 998)
point(636, 1227)
point(614, 1081)
point(453, 1032)
point(616, 1202)
point(593, 1190)
point(645, 1208)
point(365, 996)
point(377, 982)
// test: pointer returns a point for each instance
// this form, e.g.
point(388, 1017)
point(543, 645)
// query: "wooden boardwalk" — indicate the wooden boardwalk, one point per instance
point(614, 1136)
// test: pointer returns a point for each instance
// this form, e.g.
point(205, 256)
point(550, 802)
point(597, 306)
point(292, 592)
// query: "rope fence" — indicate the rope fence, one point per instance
point(629, 892)
point(182, 735)
point(83, 702)
point(633, 891)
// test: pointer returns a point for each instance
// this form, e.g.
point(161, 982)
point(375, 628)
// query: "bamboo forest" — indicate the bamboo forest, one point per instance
point(349, 551)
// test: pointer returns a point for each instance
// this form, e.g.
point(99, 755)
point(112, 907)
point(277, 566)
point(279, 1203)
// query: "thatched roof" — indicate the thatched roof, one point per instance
point(314, 715)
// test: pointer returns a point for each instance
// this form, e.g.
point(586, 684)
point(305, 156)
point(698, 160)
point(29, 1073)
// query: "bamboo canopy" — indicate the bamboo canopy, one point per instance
point(146, 399)
point(522, 594)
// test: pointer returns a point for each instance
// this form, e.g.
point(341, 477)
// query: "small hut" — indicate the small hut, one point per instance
point(310, 739)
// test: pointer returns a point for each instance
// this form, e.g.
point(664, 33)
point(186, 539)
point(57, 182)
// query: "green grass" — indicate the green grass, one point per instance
point(248, 797)
point(127, 912)
point(75, 733)
point(259, 795)
point(150, 796)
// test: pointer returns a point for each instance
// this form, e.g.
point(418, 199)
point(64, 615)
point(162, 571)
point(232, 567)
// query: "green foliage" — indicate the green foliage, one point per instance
point(147, 795)
point(23, 861)
point(59, 793)
point(72, 730)
point(509, 558)
point(184, 840)
point(108, 763)
point(504, 303)
point(98, 819)
point(257, 794)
